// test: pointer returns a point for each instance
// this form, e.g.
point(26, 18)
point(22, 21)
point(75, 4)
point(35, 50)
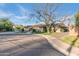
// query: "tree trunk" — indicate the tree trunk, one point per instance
point(78, 33)
point(77, 30)
point(54, 29)
point(48, 29)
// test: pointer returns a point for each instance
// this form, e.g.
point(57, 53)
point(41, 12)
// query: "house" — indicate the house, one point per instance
point(42, 27)
point(72, 30)
point(36, 28)
point(60, 27)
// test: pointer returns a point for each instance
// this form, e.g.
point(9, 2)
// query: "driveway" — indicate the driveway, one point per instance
point(26, 45)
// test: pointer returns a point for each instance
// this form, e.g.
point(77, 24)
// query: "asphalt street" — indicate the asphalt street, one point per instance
point(26, 45)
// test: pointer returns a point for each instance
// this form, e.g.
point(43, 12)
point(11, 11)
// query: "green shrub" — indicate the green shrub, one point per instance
point(6, 24)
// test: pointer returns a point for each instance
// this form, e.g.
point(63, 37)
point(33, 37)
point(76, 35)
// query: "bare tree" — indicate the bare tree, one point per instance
point(66, 20)
point(46, 14)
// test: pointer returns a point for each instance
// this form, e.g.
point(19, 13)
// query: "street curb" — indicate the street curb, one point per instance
point(55, 46)
point(63, 51)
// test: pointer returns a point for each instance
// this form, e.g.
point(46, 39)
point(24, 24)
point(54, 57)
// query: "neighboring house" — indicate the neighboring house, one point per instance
point(72, 30)
point(41, 27)
point(61, 28)
point(58, 30)
point(36, 28)
point(27, 28)
point(17, 28)
point(14, 27)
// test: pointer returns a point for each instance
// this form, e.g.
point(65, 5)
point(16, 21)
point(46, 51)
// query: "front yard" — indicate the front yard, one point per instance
point(65, 37)
point(70, 39)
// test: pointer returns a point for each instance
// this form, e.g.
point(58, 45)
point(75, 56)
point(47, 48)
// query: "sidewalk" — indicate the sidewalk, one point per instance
point(61, 46)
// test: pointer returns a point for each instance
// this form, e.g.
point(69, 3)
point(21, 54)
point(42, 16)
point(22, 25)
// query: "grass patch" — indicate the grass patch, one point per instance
point(52, 33)
point(69, 40)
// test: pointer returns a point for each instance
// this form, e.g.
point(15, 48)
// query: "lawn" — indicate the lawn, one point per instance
point(64, 37)
point(69, 40)
point(52, 34)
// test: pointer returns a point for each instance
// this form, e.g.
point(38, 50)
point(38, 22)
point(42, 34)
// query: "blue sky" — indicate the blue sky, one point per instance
point(19, 13)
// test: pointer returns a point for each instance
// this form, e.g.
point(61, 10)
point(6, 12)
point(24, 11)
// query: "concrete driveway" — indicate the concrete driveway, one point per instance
point(26, 45)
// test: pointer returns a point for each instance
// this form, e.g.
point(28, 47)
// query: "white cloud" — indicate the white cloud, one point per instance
point(5, 14)
point(24, 13)
point(21, 17)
